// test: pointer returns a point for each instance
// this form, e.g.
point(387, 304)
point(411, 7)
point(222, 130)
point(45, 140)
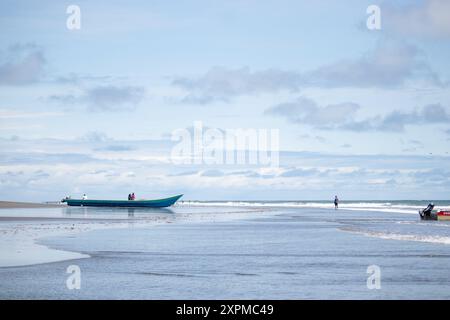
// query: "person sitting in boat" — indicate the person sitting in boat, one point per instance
point(133, 196)
point(84, 197)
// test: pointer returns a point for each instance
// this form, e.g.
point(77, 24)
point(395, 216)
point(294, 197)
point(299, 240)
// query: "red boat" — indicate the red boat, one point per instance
point(430, 214)
point(443, 215)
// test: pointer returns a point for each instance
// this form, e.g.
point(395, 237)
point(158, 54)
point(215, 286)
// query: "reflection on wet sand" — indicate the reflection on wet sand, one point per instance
point(114, 213)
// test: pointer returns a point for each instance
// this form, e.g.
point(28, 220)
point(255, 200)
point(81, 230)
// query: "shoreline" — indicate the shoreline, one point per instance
point(19, 245)
point(18, 205)
point(20, 235)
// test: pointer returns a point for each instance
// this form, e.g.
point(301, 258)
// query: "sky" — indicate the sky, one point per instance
point(361, 113)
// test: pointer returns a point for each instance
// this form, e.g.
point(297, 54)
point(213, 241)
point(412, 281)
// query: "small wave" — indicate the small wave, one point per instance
point(161, 274)
point(403, 237)
point(426, 223)
point(389, 210)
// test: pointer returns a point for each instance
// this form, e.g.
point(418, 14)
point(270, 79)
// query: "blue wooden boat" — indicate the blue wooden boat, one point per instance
point(158, 203)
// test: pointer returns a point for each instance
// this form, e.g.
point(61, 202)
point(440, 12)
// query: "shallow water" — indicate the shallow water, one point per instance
point(225, 253)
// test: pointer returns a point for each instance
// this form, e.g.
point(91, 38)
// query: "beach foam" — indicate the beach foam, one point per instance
point(405, 237)
point(431, 239)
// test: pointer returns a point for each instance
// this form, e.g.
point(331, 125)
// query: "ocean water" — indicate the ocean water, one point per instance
point(245, 250)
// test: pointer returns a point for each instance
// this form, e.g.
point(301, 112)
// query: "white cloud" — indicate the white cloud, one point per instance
point(429, 18)
point(23, 64)
point(103, 98)
point(389, 65)
point(343, 116)
point(222, 84)
point(306, 111)
point(8, 114)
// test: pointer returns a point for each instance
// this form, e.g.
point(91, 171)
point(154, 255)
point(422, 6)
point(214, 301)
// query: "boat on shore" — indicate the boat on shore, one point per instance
point(156, 203)
point(441, 215)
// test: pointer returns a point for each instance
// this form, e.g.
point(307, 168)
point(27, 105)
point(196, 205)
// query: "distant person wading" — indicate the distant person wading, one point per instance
point(336, 202)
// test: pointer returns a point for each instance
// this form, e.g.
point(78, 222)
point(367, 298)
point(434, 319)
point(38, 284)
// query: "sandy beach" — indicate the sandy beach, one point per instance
point(20, 232)
point(14, 204)
point(23, 224)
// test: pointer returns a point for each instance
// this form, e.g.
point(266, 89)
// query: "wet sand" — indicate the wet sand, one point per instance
point(15, 205)
point(22, 228)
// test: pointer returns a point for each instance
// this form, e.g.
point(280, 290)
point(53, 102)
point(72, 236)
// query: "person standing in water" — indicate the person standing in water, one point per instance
point(336, 202)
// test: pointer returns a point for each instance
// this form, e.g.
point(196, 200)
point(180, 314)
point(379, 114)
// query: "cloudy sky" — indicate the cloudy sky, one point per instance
point(361, 113)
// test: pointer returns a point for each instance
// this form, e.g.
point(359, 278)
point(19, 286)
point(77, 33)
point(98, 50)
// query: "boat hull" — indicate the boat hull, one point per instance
point(439, 215)
point(158, 203)
point(443, 215)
